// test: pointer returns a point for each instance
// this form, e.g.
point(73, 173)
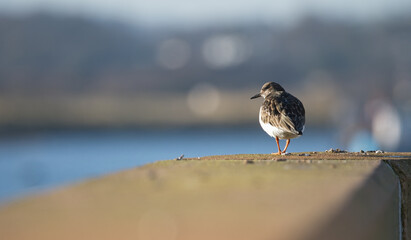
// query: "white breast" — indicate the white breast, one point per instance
point(274, 131)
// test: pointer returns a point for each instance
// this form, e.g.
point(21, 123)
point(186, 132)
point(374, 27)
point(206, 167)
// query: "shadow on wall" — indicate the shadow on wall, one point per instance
point(372, 213)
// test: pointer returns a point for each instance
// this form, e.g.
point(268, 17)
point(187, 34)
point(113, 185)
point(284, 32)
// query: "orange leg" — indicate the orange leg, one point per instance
point(286, 145)
point(278, 145)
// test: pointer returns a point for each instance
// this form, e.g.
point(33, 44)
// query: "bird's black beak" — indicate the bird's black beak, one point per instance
point(256, 96)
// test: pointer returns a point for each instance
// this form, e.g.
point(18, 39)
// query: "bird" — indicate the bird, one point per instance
point(282, 116)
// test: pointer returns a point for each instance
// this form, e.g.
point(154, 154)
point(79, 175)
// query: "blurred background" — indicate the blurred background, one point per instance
point(90, 87)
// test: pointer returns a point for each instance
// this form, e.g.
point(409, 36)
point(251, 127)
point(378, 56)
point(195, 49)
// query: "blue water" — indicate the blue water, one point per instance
point(33, 162)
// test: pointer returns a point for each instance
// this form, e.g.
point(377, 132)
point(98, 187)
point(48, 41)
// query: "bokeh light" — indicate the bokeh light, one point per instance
point(173, 53)
point(386, 126)
point(203, 99)
point(224, 51)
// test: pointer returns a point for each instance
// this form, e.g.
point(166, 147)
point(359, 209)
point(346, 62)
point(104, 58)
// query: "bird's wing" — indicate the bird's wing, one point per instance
point(284, 111)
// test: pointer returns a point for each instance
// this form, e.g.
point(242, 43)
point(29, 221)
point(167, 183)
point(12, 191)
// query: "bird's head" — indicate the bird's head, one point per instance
point(267, 89)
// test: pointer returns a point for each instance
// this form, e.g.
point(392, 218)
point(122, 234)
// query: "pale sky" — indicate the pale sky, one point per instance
point(192, 12)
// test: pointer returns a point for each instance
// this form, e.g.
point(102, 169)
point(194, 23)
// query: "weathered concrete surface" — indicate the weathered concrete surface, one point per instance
point(403, 170)
point(222, 197)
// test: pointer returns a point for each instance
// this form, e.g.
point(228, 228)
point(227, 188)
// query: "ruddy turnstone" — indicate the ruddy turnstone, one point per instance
point(282, 116)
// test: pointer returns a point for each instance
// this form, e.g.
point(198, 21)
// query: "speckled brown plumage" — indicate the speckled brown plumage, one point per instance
point(282, 115)
point(283, 111)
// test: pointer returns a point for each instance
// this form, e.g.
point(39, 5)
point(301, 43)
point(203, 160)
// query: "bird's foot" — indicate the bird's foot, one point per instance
point(277, 153)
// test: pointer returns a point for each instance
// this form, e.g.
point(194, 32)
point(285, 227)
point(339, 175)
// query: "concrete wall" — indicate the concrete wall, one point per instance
point(321, 196)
